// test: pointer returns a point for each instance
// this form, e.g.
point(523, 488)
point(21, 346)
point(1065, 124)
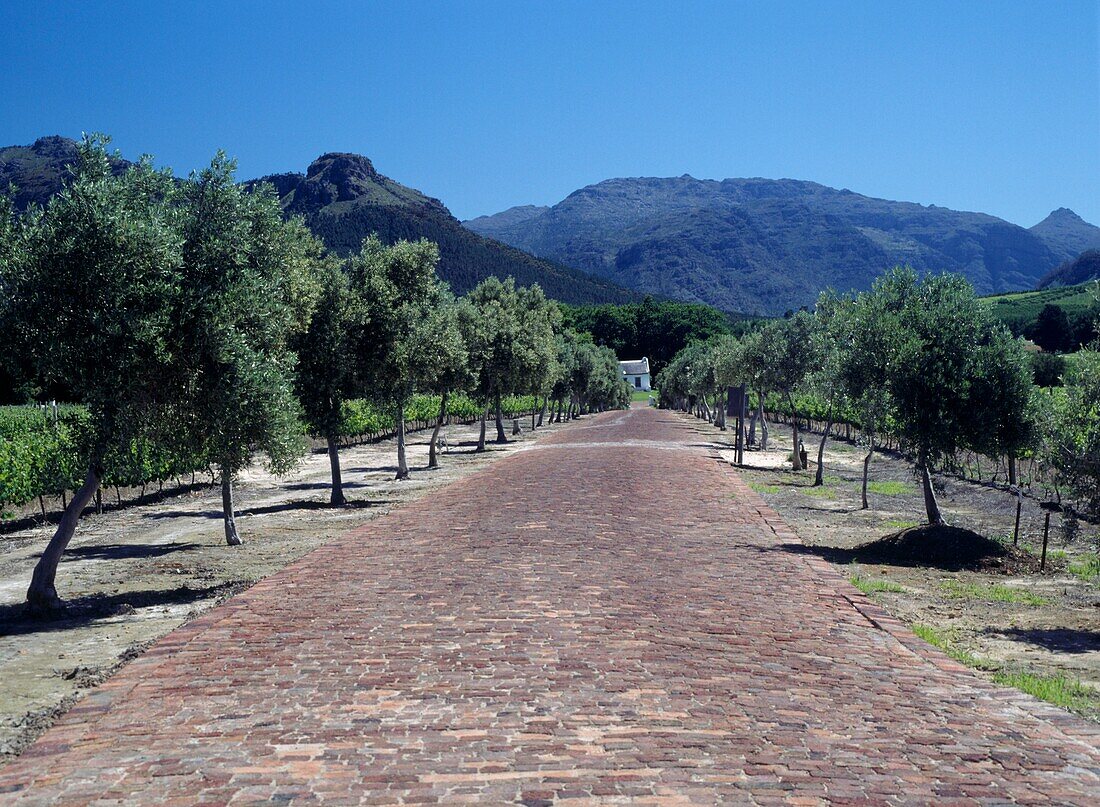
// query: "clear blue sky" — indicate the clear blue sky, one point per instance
point(991, 106)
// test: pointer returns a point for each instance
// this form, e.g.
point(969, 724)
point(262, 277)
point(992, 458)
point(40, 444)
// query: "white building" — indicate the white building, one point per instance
point(636, 373)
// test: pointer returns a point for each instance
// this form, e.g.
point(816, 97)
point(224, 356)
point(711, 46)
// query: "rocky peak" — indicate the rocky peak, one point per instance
point(342, 177)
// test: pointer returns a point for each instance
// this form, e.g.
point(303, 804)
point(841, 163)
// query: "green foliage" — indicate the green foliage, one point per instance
point(946, 643)
point(1052, 330)
point(888, 488)
point(44, 456)
point(1020, 312)
point(328, 370)
point(875, 586)
point(990, 593)
point(93, 297)
point(1047, 369)
point(251, 288)
point(1087, 567)
point(1056, 689)
point(510, 337)
point(656, 330)
point(1070, 446)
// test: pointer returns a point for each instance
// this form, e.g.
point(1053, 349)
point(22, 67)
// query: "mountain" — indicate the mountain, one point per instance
point(344, 199)
point(1067, 234)
point(1082, 269)
point(762, 245)
point(38, 171)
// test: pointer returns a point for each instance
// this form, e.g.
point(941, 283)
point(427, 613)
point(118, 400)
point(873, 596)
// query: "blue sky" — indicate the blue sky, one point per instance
point(991, 106)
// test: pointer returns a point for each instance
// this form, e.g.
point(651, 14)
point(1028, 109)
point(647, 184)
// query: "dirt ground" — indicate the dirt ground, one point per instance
point(134, 574)
point(1054, 632)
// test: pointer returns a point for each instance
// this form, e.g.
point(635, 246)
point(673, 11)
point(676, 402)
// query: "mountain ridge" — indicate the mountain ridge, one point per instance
point(770, 244)
point(343, 198)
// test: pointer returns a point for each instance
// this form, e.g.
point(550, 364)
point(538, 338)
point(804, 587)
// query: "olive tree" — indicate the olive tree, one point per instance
point(509, 337)
point(250, 288)
point(92, 291)
point(942, 341)
point(789, 350)
point(409, 339)
point(328, 371)
point(863, 344)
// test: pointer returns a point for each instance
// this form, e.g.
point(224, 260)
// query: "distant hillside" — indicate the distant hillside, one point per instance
point(1067, 234)
point(343, 200)
point(38, 171)
point(764, 246)
point(1083, 268)
point(1020, 310)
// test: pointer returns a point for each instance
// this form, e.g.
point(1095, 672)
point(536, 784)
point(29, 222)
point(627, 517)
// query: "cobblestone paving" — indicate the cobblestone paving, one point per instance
point(609, 616)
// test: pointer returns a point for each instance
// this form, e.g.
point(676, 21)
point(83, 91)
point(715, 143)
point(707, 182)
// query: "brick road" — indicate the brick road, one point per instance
point(611, 615)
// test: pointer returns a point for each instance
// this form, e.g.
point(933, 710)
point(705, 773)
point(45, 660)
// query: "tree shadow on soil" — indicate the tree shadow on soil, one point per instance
point(14, 620)
point(125, 551)
point(285, 507)
point(941, 547)
point(1058, 640)
point(322, 485)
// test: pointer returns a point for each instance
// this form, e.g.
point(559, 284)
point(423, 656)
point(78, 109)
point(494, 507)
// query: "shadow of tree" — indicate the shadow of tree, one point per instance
point(322, 485)
point(14, 620)
point(268, 509)
point(1059, 640)
point(125, 551)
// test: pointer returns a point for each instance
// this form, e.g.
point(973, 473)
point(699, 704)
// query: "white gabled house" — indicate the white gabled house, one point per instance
point(636, 373)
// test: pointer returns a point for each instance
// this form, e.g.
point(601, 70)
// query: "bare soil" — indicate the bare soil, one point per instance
point(134, 574)
point(1056, 634)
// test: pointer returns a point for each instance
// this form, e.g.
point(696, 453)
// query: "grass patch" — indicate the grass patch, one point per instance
point(888, 487)
point(760, 487)
point(870, 587)
point(942, 640)
point(1087, 568)
point(819, 492)
point(901, 524)
point(1056, 689)
point(991, 593)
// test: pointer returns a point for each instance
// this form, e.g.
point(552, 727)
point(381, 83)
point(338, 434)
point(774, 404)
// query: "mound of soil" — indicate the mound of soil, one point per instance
point(946, 547)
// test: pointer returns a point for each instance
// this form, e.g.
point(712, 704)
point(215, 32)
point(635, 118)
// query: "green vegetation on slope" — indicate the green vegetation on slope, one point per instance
point(1020, 311)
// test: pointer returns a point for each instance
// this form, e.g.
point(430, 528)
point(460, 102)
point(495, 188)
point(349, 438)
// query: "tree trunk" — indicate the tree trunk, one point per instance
point(336, 499)
point(819, 479)
point(42, 594)
point(481, 438)
point(931, 506)
point(533, 413)
point(765, 430)
point(402, 464)
point(231, 536)
point(866, 471)
point(433, 456)
point(501, 437)
point(542, 412)
point(796, 459)
point(1011, 471)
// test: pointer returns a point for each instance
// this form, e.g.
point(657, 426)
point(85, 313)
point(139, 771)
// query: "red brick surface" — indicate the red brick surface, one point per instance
point(610, 615)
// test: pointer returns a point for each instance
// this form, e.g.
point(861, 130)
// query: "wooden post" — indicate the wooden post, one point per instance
point(1046, 533)
point(1019, 505)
